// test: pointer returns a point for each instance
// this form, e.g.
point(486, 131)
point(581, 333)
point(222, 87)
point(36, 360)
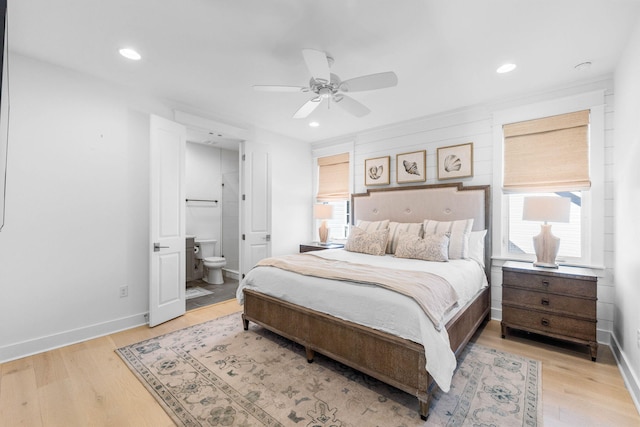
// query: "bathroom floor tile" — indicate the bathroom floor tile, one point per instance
point(223, 292)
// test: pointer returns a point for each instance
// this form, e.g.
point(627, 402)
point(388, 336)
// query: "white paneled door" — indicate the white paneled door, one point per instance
point(167, 219)
point(256, 243)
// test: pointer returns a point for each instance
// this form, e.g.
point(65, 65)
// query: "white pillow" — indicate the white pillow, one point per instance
point(476, 246)
point(434, 247)
point(370, 226)
point(459, 235)
point(397, 228)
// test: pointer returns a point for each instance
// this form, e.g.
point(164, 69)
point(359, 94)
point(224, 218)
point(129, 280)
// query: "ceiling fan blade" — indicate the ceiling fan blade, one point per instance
point(370, 82)
point(352, 106)
point(317, 63)
point(276, 88)
point(307, 108)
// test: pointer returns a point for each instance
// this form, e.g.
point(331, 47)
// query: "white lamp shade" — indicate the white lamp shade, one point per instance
point(546, 209)
point(321, 211)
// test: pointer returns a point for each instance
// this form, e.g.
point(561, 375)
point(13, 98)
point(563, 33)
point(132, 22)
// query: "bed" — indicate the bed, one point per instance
point(314, 311)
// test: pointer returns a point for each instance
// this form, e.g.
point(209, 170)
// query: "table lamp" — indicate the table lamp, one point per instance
point(546, 209)
point(323, 212)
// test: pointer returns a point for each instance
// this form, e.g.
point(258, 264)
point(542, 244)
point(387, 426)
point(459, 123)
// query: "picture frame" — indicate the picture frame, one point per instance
point(411, 167)
point(455, 161)
point(376, 171)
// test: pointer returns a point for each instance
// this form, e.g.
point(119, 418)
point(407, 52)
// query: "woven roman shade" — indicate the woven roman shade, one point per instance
point(333, 178)
point(548, 154)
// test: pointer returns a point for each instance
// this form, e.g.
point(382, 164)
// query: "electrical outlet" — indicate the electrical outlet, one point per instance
point(124, 291)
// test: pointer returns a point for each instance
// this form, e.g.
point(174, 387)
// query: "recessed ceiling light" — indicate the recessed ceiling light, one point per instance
point(505, 68)
point(314, 124)
point(130, 54)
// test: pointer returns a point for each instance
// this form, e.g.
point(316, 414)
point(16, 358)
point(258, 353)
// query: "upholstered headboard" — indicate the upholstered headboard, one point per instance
point(441, 202)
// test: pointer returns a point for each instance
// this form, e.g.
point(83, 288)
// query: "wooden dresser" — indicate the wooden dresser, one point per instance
point(559, 303)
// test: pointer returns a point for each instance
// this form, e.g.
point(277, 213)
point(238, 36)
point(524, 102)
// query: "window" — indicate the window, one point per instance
point(548, 153)
point(520, 232)
point(339, 224)
point(333, 178)
point(582, 239)
point(333, 189)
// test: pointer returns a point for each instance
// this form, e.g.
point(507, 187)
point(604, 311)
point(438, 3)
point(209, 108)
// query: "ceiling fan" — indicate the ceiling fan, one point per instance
point(326, 85)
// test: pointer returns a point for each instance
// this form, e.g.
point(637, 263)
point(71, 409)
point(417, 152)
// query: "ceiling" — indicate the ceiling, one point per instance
point(207, 54)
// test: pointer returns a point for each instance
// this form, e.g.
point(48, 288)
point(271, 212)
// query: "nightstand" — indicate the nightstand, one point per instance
point(316, 246)
point(558, 303)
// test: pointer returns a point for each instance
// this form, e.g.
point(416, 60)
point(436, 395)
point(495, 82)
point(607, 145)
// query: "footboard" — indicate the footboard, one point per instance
point(393, 360)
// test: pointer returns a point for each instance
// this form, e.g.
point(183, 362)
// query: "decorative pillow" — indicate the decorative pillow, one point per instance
point(459, 235)
point(396, 228)
point(370, 226)
point(434, 247)
point(476, 246)
point(373, 243)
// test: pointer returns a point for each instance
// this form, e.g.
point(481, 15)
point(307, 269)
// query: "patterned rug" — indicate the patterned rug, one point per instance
point(217, 374)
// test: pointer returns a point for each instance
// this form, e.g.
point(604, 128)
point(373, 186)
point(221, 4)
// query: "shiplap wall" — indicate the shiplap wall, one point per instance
point(606, 292)
point(475, 125)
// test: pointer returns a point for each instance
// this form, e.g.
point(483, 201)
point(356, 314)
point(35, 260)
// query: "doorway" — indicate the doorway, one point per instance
point(167, 283)
point(212, 213)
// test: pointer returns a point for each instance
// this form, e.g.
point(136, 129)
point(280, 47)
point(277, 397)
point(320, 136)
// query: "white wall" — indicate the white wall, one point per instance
point(231, 209)
point(203, 180)
point(77, 208)
point(627, 205)
point(78, 205)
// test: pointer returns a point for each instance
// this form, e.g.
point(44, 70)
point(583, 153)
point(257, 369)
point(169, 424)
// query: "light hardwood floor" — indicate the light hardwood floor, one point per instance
point(87, 384)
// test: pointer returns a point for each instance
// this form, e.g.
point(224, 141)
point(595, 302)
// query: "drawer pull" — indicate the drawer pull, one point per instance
point(544, 301)
point(545, 322)
point(545, 283)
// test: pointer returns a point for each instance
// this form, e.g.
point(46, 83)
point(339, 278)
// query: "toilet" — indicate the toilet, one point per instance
point(206, 250)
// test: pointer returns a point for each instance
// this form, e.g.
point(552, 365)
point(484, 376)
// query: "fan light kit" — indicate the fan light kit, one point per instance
point(326, 85)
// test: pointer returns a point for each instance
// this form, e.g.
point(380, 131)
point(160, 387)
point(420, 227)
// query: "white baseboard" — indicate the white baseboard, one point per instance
point(232, 274)
point(50, 342)
point(630, 378)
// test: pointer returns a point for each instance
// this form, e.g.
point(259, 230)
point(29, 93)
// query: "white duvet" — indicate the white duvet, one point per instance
point(374, 306)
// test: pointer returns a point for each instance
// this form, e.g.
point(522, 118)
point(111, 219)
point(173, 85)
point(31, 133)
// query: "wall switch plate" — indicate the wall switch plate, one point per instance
point(124, 291)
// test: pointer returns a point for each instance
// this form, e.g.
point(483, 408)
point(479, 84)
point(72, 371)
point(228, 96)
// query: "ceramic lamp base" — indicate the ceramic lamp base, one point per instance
point(323, 232)
point(546, 246)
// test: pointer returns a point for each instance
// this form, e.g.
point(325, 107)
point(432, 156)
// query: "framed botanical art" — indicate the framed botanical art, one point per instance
point(455, 161)
point(376, 171)
point(411, 167)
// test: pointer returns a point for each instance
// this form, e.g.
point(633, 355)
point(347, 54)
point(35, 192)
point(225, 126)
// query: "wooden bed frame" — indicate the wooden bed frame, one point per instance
point(393, 360)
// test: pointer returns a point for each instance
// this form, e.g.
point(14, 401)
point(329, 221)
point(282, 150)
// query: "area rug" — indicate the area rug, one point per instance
point(195, 292)
point(217, 374)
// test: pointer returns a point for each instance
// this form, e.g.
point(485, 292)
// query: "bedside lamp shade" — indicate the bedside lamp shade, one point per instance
point(323, 212)
point(546, 209)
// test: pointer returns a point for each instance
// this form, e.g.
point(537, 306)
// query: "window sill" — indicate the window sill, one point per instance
point(504, 259)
